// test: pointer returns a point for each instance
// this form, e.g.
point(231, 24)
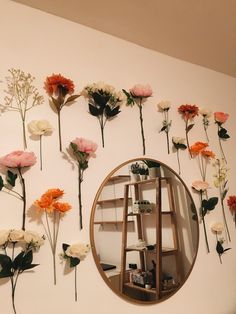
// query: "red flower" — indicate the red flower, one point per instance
point(188, 111)
point(231, 202)
point(56, 83)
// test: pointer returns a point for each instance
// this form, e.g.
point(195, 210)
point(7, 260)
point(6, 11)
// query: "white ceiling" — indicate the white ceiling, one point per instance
point(202, 32)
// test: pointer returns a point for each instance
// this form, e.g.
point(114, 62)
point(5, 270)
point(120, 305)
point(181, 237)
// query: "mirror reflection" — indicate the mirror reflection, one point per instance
point(144, 231)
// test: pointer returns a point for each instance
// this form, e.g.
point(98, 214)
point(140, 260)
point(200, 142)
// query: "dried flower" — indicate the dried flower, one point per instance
point(188, 113)
point(138, 95)
point(60, 90)
point(22, 96)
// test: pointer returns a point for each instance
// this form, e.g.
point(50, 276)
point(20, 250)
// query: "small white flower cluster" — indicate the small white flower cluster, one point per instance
point(103, 89)
point(78, 250)
point(25, 237)
point(220, 172)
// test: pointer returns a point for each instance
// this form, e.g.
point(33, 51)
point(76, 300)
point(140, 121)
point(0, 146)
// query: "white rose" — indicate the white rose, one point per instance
point(217, 227)
point(39, 127)
point(78, 250)
point(33, 237)
point(178, 140)
point(16, 235)
point(4, 236)
point(205, 112)
point(164, 105)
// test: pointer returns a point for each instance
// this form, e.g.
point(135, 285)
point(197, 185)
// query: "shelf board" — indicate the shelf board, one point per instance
point(132, 286)
point(112, 200)
point(118, 178)
point(111, 222)
point(148, 181)
point(165, 251)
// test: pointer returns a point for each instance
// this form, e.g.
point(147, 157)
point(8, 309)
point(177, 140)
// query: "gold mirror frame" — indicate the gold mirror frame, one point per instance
point(92, 240)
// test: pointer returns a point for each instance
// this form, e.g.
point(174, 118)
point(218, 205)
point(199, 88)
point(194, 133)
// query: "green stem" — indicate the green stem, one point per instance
point(141, 125)
point(40, 152)
point(59, 129)
point(205, 127)
point(76, 294)
point(204, 225)
point(178, 161)
point(102, 129)
point(13, 292)
point(80, 179)
point(187, 140)
point(54, 248)
point(23, 197)
point(24, 134)
point(221, 148)
point(224, 217)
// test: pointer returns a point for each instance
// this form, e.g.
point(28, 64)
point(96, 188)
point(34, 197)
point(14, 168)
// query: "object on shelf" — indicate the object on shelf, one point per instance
point(141, 207)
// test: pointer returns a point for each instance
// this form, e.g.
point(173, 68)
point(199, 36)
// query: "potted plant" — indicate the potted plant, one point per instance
point(153, 168)
point(143, 171)
point(135, 171)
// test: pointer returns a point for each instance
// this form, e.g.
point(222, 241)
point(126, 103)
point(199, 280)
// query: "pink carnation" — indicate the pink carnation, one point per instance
point(221, 117)
point(200, 185)
point(141, 91)
point(18, 159)
point(85, 146)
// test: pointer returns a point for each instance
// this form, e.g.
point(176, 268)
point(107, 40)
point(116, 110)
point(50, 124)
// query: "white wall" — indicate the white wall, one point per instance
point(43, 44)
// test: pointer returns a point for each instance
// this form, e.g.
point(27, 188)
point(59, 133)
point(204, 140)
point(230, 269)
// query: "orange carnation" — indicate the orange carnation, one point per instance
point(207, 154)
point(197, 147)
point(44, 202)
point(61, 207)
point(54, 193)
point(56, 81)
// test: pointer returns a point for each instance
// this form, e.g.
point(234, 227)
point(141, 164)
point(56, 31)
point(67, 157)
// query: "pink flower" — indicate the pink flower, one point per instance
point(221, 117)
point(200, 186)
point(85, 146)
point(142, 91)
point(18, 159)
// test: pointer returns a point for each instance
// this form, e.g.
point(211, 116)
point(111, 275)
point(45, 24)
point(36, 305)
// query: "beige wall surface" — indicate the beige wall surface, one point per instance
point(42, 44)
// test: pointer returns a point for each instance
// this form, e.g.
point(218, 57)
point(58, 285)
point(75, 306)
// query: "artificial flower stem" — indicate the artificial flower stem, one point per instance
point(40, 152)
point(141, 125)
point(23, 197)
point(76, 293)
point(224, 217)
point(178, 161)
point(54, 248)
point(221, 148)
point(187, 140)
point(204, 225)
point(13, 292)
point(205, 127)
point(59, 129)
point(80, 179)
point(24, 133)
point(217, 243)
point(167, 130)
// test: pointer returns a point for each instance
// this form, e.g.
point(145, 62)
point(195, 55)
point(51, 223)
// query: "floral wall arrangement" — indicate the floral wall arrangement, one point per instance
point(120, 65)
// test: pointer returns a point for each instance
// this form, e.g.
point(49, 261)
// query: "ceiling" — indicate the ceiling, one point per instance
point(202, 32)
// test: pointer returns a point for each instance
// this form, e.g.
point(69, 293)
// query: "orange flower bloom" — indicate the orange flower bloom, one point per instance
point(197, 147)
point(61, 207)
point(54, 193)
point(56, 81)
point(188, 111)
point(207, 154)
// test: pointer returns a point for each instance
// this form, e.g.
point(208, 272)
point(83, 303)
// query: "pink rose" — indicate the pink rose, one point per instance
point(85, 146)
point(141, 91)
point(221, 117)
point(18, 159)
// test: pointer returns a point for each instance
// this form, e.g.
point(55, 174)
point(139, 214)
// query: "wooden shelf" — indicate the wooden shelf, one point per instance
point(112, 200)
point(117, 178)
point(165, 251)
point(132, 286)
point(148, 181)
point(111, 222)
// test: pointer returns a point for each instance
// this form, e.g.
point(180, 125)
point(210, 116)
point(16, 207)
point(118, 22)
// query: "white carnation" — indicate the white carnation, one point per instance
point(217, 227)
point(164, 105)
point(4, 236)
point(33, 238)
point(16, 235)
point(39, 127)
point(205, 112)
point(178, 140)
point(78, 250)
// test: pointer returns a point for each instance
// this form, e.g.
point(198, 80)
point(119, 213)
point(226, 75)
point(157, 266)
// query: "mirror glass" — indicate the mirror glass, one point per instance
point(144, 231)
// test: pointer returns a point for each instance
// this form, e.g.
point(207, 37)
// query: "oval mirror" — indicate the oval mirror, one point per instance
point(144, 231)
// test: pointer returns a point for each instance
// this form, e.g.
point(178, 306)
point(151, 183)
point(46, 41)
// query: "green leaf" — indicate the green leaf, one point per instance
point(94, 111)
point(6, 273)
point(189, 127)
point(65, 246)
point(28, 266)
point(229, 248)
point(203, 212)
point(27, 258)
point(224, 193)
point(219, 248)
point(18, 260)
point(130, 100)
point(71, 98)
point(5, 261)
point(164, 128)
point(74, 261)
point(1, 183)
point(11, 178)
point(222, 133)
point(180, 146)
point(210, 203)
point(111, 112)
point(101, 100)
